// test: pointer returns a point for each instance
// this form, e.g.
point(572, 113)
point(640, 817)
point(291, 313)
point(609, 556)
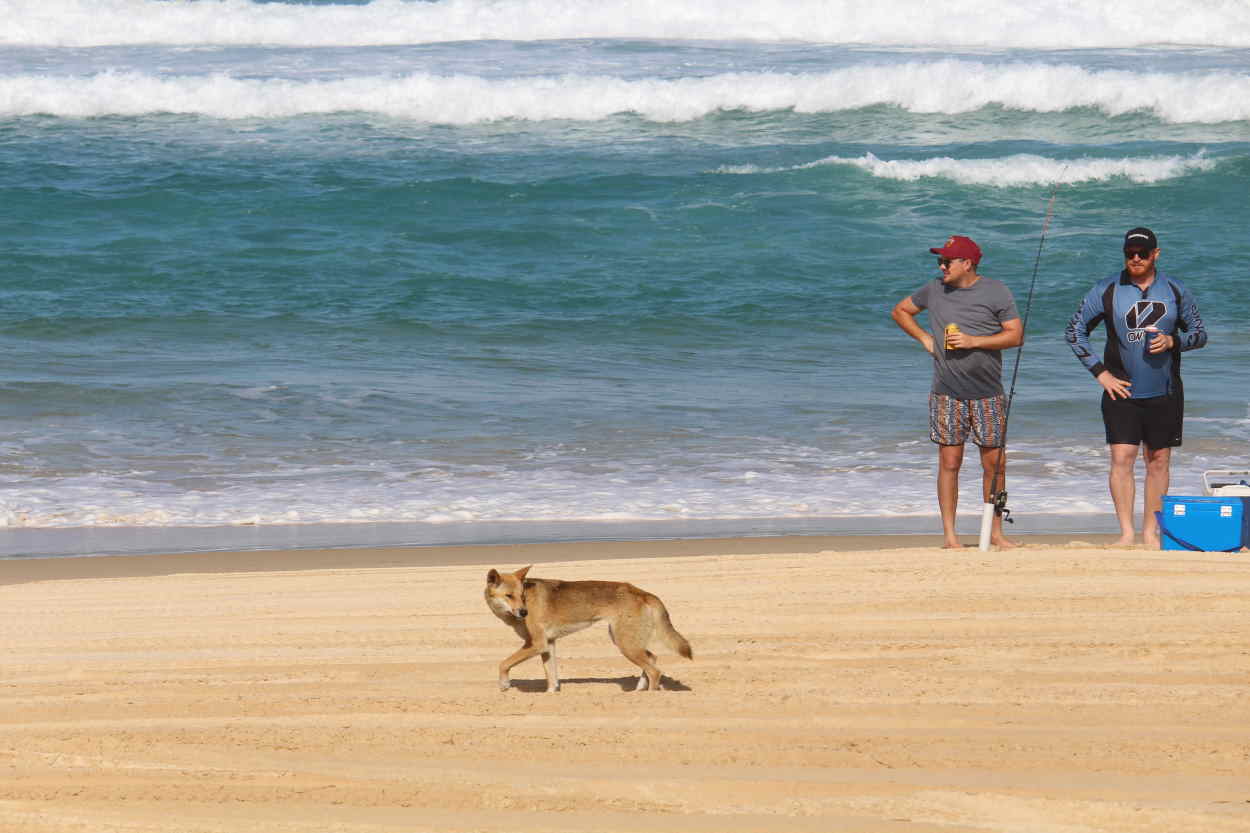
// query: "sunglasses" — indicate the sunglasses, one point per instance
point(1141, 254)
point(945, 262)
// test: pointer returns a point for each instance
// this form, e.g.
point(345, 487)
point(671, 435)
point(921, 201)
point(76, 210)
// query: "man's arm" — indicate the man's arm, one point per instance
point(1190, 322)
point(1011, 335)
point(1088, 315)
point(904, 315)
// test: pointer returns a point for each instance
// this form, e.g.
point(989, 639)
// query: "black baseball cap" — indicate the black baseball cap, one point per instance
point(1141, 237)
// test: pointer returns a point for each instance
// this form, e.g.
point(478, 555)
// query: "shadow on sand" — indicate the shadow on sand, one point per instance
point(626, 683)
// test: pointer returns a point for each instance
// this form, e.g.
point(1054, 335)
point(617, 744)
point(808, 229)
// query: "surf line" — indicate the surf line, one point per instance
point(997, 504)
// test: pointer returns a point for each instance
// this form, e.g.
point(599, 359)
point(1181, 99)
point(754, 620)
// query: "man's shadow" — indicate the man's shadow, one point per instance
point(626, 683)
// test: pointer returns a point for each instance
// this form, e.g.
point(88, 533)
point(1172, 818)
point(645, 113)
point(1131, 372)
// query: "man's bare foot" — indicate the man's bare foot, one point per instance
point(1151, 542)
point(1004, 543)
point(1124, 541)
point(952, 544)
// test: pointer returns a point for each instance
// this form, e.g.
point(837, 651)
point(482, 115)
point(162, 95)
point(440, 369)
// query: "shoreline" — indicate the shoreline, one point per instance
point(18, 570)
point(71, 542)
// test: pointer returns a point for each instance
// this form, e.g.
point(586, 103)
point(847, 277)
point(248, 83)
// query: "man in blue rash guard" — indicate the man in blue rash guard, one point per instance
point(1151, 319)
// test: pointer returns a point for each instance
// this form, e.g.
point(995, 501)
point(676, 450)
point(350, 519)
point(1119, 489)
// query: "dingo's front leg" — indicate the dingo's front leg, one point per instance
point(550, 666)
point(529, 649)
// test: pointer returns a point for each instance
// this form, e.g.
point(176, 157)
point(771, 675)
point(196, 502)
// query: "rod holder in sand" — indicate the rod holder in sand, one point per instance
point(987, 524)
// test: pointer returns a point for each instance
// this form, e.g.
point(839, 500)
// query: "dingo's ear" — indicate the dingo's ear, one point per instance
point(521, 572)
point(492, 578)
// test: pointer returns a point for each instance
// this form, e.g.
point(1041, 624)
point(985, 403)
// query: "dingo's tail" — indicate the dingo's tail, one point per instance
point(668, 633)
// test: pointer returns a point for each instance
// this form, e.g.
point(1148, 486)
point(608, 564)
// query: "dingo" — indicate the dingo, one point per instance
point(541, 610)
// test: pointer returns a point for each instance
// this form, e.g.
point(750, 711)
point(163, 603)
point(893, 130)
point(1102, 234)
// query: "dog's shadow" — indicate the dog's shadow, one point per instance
point(626, 683)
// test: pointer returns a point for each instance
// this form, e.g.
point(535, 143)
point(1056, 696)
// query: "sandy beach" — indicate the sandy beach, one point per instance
point(874, 685)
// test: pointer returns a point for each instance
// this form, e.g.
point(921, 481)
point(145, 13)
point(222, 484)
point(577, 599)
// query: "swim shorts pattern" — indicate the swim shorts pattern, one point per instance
point(951, 420)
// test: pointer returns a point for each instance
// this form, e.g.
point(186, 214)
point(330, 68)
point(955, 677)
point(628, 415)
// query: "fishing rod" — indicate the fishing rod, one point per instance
point(997, 504)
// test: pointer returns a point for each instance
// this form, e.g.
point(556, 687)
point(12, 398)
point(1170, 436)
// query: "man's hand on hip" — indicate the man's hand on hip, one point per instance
point(1115, 388)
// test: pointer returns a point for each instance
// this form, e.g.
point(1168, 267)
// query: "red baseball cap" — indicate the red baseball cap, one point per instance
point(960, 247)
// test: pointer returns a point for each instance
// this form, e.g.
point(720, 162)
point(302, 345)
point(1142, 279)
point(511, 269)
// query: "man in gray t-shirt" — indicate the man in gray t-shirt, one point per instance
point(973, 319)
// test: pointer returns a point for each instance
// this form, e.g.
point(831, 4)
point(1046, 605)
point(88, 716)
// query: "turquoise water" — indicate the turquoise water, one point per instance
point(447, 267)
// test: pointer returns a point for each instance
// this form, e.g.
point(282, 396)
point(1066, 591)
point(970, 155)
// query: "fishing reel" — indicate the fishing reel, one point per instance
point(1000, 506)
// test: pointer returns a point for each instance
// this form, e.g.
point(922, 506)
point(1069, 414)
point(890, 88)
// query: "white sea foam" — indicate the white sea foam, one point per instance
point(1028, 23)
point(947, 86)
point(783, 481)
point(548, 495)
point(1015, 170)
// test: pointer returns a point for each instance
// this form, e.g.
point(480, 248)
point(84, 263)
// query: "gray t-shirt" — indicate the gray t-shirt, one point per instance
point(979, 310)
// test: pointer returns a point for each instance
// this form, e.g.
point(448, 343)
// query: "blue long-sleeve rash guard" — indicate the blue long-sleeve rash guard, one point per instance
point(1127, 312)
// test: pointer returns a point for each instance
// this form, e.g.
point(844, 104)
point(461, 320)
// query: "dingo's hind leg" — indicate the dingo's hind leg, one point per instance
point(642, 678)
point(632, 633)
point(644, 659)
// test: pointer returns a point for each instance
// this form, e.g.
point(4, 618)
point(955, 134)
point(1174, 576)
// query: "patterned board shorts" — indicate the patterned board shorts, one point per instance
point(951, 420)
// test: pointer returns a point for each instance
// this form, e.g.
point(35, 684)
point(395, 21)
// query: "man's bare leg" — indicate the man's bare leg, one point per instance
point(990, 461)
point(950, 458)
point(1123, 489)
point(1158, 474)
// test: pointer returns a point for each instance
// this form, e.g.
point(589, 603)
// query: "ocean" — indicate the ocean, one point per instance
point(392, 272)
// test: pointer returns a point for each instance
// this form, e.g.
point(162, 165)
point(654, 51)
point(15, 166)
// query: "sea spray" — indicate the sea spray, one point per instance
point(974, 23)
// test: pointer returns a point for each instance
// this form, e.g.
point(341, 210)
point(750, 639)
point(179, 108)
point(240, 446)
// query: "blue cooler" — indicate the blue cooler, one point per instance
point(1205, 524)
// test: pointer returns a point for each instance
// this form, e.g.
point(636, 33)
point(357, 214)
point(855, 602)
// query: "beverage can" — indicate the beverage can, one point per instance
point(950, 328)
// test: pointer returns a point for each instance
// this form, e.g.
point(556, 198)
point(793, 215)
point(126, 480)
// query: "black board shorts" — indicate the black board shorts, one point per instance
point(1155, 421)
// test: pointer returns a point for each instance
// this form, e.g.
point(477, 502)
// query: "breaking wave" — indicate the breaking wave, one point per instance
point(1010, 171)
point(947, 86)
